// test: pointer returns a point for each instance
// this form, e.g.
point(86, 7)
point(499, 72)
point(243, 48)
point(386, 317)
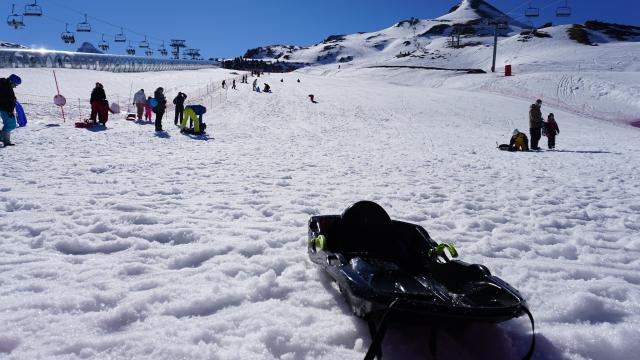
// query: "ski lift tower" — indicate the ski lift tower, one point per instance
point(177, 44)
point(193, 53)
point(498, 23)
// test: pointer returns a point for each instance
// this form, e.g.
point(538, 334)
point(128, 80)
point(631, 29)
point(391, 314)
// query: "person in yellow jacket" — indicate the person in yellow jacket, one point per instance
point(518, 141)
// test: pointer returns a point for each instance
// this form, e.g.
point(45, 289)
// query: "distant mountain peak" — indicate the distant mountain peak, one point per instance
point(88, 47)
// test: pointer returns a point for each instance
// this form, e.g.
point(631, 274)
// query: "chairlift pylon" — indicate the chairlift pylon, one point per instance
point(532, 11)
point(120, 37)
point(67, 36)
point(144, 44)
point(84, 26)
point(131, 50)
point(564, 11)
point(32, 9)
point(15, 20)
point(104, 45)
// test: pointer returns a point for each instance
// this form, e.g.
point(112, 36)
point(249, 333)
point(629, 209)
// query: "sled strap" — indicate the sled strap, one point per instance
point(439, 250)
point(376, 342)
point(533, 335)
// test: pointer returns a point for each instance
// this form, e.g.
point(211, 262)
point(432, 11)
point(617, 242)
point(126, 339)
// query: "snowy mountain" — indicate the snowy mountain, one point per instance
point(5, 44)
point(88, 47)
point(455, 40)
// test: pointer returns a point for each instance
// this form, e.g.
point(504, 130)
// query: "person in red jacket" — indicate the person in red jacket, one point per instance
point(552, 131)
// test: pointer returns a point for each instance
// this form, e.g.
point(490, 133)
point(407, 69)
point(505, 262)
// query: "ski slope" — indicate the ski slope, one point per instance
point(126, 244)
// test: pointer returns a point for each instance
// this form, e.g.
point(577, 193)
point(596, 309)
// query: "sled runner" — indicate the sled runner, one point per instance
point(385, 267)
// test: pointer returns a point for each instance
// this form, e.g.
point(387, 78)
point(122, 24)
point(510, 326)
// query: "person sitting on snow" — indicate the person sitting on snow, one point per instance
point(518, 141)
point(266, 88)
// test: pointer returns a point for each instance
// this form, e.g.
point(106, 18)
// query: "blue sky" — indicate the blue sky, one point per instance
point(229, 28)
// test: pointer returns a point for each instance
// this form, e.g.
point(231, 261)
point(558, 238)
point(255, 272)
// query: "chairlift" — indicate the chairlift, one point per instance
point(67, 36)
point(120, 37)
point(104, 45)
point(564, 11)
point(15, 20)
point(84, 26)
point(32, 9)
point(144, 44)
point(532, 11)
point(148, 52)
point(131, 50)
point(162, 50)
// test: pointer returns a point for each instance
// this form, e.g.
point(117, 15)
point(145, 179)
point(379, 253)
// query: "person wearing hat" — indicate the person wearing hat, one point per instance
point(7, 107)
point(518, 141)
point(535, 124)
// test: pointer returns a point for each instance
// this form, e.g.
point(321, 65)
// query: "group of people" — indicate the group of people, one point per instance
point(537, 128)
point(7, 107)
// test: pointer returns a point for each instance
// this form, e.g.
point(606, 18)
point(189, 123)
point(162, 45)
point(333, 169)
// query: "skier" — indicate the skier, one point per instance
point(147, 109)
point(552, 131)
point(535, 124)
point(7, 107)
point(160, 108)
point(178, 101)
point(99, 105)
point(140, 100)
point(518, 141)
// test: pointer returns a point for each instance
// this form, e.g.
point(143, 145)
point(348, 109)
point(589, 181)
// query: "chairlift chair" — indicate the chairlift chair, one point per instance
point(15, 20)
point(67, 36)
point(120, 37)
point(144, 44)
point(148, 52)
point(131, 50)
point(32, 9)
point(532, 11)
point(162, 50)
point(104, 45)
point(564, 11)
point(84, 26)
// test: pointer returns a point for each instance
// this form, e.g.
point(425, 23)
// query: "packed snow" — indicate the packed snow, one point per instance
point(125, 243)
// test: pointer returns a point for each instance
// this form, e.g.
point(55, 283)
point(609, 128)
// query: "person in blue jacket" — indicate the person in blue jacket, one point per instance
point(7, 107)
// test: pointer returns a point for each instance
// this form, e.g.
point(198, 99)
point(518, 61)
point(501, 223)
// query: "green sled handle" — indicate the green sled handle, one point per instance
point(319, 242)
point(439, 250)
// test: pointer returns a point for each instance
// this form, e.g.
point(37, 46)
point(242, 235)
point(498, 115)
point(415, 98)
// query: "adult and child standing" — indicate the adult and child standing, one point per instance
point(7, 107)
point(539, 127)
point(99, 105)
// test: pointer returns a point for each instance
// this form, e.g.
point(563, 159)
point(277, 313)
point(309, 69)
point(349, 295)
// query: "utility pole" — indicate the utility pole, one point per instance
point(496, 24)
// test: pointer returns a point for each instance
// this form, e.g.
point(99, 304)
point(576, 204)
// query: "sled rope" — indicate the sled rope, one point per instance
point(375, 347)
point(533, 335)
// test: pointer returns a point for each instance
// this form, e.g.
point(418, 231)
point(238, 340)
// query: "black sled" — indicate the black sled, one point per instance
point(387, 267)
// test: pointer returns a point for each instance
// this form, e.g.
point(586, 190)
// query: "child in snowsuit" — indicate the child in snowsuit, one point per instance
point(552, 131)
point(518, 141)
point(7, 107)
point(147, 109)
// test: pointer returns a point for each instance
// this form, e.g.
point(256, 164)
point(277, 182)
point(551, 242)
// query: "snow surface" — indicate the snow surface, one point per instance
point(124, 244)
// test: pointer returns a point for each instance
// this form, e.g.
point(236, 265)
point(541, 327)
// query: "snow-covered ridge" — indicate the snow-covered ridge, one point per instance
point(419, 42)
